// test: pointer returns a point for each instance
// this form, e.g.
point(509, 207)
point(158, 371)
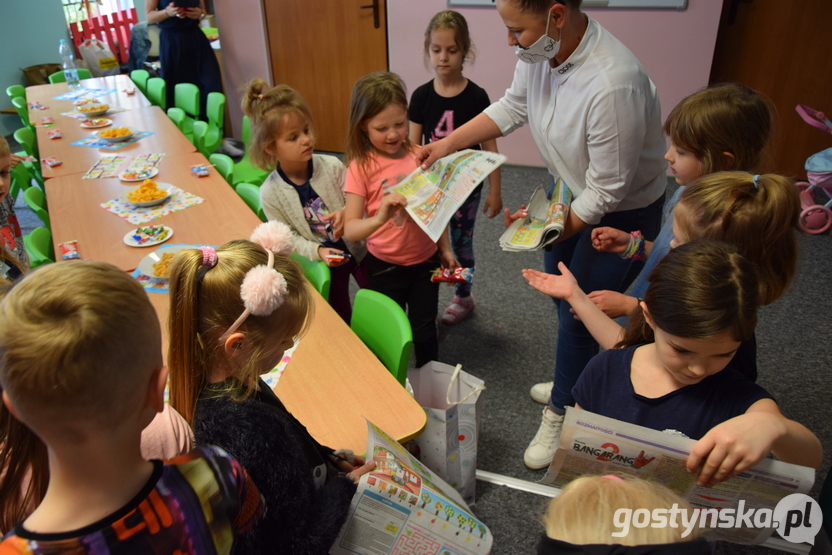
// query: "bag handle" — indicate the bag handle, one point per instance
point(814, 118)
point(454, 379)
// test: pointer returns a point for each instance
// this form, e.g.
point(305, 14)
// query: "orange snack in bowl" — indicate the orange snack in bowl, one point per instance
point(115, 132)
point(146, 192)
point(94, 108)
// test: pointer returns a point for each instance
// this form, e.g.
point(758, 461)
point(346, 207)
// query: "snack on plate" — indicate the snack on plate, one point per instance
point(94, 122)
point(146, 192)
point(162, 268)
point(94, 108)
point(453, 275)
point(69, 250)
point(115, 132)
point(135, 175)
point(155, 233)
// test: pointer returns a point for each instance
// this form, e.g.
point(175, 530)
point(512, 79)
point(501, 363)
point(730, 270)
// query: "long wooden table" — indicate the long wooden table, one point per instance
point(332, 382)
point(138, 114)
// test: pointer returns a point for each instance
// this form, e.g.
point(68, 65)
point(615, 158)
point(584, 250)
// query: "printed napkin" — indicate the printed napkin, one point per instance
point(95, 142)
point(179, 200)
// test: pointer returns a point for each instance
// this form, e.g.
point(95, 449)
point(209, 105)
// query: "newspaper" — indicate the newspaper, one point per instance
point(543, 225)
point(434, 195)
point(596, 445)
point(402, 508)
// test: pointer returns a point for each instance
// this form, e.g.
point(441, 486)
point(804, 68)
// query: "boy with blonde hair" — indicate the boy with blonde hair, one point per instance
point(81, 365)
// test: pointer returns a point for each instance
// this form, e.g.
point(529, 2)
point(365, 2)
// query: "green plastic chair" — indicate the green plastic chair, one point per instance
point(36, 200)
point(186, 97)
point(16, 90)
point(317, 273)
point(22, 108)
point(251, 195)
point(21, 180)
point(177, 115)
point(38, 245)
point(25, 136)
point(384, 328)
point(215, 112)
point(224, 165)
point(58, 76)
point(139, 78)
point(244, 170)
point(199, 130)
point(156, 91)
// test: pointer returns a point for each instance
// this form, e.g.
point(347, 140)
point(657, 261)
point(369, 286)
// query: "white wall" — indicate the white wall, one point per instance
point(675, 47)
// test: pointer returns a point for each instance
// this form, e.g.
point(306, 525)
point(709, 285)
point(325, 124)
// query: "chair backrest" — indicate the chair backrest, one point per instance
point(21, 180)
point(140, 77)
point(37, 202)
point(224, 165)
point(251, 195)
point(383, 326)
point(246, 130)
point(16, 90)
point(58, 76)
point(186, 96)
point(215, 110)
point(317, 273)
point(200, 128)
point(38, 245)
point(27, 139)
point(19, 103)
point(178, 116)
point(156, 91)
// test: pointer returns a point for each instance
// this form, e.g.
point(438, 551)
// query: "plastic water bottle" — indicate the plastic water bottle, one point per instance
point(70, 73)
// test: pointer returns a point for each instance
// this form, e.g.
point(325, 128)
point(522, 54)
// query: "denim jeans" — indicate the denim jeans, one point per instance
point(594, 271)
point(660, 247)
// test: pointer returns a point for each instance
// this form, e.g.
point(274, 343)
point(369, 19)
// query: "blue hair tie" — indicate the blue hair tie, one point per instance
point(756, 177)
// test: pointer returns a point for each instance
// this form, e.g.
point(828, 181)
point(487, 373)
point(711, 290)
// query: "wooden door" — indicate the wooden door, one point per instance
point(321, 48)
point(783, 49)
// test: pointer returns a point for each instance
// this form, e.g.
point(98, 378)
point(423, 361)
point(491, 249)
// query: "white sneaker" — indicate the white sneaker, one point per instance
point(541, 450)
point(229, 148)
point(542, 392)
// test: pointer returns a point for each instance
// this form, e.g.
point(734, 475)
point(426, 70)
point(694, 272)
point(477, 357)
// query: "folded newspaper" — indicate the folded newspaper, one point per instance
point(543, 225)
point(434, 195)
point(402, 508)
point(596, 445)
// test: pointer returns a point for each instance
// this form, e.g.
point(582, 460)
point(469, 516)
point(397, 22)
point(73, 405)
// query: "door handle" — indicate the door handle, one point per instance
point(374, 7)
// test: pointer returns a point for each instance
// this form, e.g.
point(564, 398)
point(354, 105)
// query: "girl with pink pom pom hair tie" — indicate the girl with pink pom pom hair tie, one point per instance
point(234, 311)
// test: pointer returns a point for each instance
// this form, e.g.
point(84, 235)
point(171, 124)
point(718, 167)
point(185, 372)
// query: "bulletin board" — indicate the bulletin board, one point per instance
point(638, 4)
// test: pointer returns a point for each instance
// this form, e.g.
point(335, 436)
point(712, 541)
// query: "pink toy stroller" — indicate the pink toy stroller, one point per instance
point(816, 217)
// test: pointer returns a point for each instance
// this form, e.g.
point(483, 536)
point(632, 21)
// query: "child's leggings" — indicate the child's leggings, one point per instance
point(411, 288)
point(462, 236)
point(339, 290)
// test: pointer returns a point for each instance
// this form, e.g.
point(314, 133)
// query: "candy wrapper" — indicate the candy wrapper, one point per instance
point(54, 133)
point(155, 233)
point(69, 250)
point(336, 257)
point(200, 170)
point(455, 275)
point(52, 162)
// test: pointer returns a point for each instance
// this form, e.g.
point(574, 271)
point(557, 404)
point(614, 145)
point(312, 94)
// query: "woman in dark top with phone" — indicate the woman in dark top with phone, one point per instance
point(184, 50)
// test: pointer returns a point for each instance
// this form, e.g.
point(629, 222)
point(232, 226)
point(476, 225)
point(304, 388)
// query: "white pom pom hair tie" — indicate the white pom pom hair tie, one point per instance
point(264, 289)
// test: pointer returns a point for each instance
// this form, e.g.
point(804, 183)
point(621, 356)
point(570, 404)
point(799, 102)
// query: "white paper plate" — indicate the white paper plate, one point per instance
point(146, 264)
point(163, 186)
point(130, 241)
point(101, 122)
point(123, 175)
point(117, 139)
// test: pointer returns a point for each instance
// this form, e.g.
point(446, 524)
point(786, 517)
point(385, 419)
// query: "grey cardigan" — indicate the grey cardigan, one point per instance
point(282, 203)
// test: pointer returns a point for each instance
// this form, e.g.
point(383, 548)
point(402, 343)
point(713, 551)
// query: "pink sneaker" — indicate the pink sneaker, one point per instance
point(457, 311)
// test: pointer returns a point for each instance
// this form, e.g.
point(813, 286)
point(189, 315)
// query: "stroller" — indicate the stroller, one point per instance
point(816, 217)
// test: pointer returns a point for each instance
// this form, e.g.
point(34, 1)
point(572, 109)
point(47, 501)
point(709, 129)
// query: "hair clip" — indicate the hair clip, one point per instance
point(612, 477)
point(209, 256)
point(264, 288)
point(756, 177)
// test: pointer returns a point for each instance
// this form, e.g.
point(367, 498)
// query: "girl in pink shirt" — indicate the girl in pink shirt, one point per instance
point(401, 256)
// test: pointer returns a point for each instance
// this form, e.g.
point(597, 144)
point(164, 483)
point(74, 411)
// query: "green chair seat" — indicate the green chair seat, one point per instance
point(199, 129)
point(215, 112)
point(384, 328)
point(38, 246)
point(140, 78)
point(317, 273)
point(251, 196)
point(58, 76)
point(224, 165)
point(26, 137)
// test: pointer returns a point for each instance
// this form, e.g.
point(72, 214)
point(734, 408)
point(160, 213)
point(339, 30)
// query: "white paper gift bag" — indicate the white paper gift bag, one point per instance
point(453, 402)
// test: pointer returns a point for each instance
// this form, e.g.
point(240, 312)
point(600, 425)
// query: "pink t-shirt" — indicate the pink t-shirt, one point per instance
point(399, 240)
